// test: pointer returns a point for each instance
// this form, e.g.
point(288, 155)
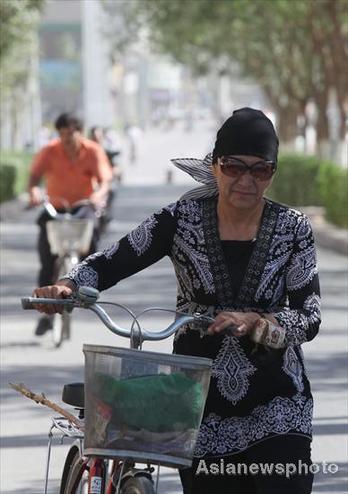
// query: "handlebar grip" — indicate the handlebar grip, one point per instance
point(28, 303)
point(229, 331)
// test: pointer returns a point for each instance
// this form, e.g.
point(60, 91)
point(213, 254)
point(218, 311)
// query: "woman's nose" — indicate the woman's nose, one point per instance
point(245, 178)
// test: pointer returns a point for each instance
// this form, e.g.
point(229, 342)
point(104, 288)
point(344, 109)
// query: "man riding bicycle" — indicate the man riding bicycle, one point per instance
point(76, 170)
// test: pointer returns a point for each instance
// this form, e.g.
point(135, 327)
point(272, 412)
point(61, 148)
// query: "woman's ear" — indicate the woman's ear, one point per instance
point(214, 167)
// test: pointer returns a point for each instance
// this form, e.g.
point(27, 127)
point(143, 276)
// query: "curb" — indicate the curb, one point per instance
point(332, 238)
point(326, 234)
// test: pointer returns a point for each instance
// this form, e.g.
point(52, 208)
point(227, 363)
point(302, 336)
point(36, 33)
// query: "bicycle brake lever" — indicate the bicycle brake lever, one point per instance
point(206, 321)
point(201, 323)
point(87, 295)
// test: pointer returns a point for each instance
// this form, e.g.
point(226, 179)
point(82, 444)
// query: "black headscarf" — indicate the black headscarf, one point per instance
point(247, 132)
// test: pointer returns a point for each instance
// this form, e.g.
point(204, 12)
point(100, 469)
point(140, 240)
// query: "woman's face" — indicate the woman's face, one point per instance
point(244, 191)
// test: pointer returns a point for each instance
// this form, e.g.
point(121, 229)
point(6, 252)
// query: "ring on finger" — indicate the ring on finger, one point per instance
point(240, 331)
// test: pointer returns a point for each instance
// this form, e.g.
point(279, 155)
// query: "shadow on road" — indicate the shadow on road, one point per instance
point(28, 441)
point(35, 487)
point(48, 380)
point(330, 483)
point(328, 373)
point(330, 429)
point(20, 344)
point(159, 277)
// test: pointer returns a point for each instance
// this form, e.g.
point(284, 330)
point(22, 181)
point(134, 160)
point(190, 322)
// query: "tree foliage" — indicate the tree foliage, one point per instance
point(125, 26)
point(18, 47)
point(296, 50)
point(18, 24)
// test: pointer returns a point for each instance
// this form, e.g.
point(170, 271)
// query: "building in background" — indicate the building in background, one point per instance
point(60, 41)
point(75, 70)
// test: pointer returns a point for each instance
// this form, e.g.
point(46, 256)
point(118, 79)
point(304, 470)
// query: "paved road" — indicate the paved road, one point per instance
point(26, 359)
point(156, 148)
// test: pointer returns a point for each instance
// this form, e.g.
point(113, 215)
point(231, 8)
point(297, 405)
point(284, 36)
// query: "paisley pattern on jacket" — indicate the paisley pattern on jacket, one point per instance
point(255, 393)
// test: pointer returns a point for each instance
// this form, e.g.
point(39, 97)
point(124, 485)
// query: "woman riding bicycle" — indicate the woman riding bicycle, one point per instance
point(250, 263)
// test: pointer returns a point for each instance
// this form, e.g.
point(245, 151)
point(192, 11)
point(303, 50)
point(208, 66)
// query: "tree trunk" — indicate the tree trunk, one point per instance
point(322, 126)
point(343, 116)
point(287, 124)
point(329, 41)
point(321, 99)
point(13, 123)
point(287, 115)
point(338, 43)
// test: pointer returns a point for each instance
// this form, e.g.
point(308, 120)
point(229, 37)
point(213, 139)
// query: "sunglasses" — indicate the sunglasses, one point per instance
point(234, 167)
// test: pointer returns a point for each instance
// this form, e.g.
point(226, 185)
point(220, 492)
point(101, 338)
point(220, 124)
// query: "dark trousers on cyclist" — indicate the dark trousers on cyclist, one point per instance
point(106, 214)
point(47, 273)
point(277, 453)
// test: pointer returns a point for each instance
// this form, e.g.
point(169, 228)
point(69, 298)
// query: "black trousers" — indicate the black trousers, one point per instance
point(280, 451)
point(47, 273)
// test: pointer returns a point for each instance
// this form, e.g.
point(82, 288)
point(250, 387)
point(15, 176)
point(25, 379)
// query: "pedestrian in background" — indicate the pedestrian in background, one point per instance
point(99, 135)
point(133, 134)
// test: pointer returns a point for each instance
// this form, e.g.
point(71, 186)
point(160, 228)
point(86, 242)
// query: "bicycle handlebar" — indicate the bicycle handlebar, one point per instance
point(86, 298)
point(54, 214)
point(28, 303)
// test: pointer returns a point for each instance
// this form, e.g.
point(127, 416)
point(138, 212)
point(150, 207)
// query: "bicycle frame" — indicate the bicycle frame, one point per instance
point(68, 245)
point(122, 469)
point(109, 484)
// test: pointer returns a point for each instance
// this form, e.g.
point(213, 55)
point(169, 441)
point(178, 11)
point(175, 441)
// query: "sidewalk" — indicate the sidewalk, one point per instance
point(326, 234)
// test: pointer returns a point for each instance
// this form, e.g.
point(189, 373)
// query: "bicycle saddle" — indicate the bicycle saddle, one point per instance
point(74, 394)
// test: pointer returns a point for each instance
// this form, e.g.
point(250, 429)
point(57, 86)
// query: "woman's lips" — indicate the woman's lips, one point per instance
point(244, 193)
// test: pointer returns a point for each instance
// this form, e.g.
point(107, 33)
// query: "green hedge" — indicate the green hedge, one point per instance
point(7, 182)
point(299, 181)
point(14, 171)
point(308, 181)
point(333, 184)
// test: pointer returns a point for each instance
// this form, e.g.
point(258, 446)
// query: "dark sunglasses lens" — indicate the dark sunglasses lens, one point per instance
point(233, 169)
point(262, 171)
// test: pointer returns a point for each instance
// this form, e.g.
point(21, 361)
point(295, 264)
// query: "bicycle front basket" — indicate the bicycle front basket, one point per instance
point(143, 405)
point(73, 235)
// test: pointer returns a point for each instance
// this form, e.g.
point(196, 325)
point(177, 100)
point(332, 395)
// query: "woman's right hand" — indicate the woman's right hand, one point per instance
point(62, 289)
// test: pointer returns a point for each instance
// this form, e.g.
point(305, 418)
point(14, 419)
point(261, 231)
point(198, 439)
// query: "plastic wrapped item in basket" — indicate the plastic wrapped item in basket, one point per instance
point(144, 405)
point(171, 401)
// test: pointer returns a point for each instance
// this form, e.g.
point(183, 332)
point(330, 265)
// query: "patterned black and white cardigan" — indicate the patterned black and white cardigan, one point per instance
point(255, 392)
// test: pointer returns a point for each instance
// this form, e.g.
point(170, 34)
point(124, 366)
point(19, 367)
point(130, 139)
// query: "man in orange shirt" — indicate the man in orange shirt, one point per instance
point(74, 169)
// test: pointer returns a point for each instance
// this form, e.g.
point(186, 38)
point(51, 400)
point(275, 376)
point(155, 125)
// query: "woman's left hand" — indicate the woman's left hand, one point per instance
point(243, 322)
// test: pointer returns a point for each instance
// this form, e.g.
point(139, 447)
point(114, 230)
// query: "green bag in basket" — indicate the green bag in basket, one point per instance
point(156, 403)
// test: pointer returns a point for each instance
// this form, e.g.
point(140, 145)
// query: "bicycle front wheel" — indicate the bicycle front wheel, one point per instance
point(75, 474)
point(61, 328)
point(61, 323)
point(138, 485)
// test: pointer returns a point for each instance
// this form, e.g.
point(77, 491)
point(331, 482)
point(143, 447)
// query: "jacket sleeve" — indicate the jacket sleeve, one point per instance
point(145, 245)
point(301, 318)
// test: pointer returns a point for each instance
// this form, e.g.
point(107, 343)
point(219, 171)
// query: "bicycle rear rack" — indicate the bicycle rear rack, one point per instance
point(66, 429)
